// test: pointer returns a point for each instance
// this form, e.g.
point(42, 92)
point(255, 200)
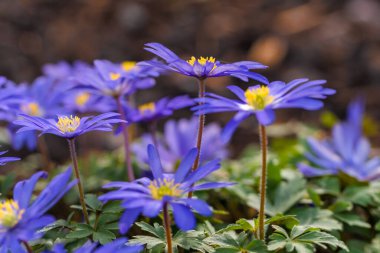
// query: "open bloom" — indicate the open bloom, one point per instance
point(347, 150)
point(21, 218)
point(5, 160)
point(117, 246)
point(115, 80)
point(263, 100)
point(157, 110)
point(203, 67)
point(147, 197)
point(178, 138)
point(69, 127)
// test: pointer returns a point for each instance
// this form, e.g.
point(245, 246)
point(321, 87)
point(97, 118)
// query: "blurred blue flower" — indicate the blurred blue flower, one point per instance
point(347, 150)
point(263, 100)
point(10, 97)
point(83, 101)
point(180, 137)
point(203, 67)
point(116, 80)
point(21, 218)
point(5, 160)
point(117, 246)
point(68, 127)
point(157, 110)
point(147, 197)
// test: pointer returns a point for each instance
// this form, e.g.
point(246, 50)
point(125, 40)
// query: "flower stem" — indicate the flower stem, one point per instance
point(27, 246)
point(263, 181)
point(168, 230)
point(127, 148)
point(77, 175)
point(42, 146)
point(201, 125)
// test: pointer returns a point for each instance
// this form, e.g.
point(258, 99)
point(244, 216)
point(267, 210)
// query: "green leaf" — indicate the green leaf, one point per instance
point(191, 240)
point(302, 239)
point(156, 230)
point(313, 195)
point(82, 231)
point(112, 207)
point(103, 236)
point(340, 206)
point(352, 220)
point(377, 226)
point(93, 202)
point(315, 217)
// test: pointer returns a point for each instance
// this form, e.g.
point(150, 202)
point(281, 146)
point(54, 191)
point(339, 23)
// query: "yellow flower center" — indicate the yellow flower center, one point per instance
point(128, 65)
point(114, 76)
point(10, 213)
point(32, 109)
point(258, 98)
point(166, 187)
point(68, 124)
point(82, 98)
point(148, 107)
point(202, 61)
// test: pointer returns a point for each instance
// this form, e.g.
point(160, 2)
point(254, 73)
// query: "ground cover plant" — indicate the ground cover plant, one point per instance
point(177, 190)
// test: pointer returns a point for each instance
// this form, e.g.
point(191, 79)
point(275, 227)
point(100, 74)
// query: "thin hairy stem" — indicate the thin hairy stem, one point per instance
point(77, 175)
point(127, 146)
point(263, 180)
point(201, 125)
point(168, 230)
point(27, 246)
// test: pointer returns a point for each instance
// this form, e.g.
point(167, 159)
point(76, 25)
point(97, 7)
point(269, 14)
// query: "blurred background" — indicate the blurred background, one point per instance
point(334, 40)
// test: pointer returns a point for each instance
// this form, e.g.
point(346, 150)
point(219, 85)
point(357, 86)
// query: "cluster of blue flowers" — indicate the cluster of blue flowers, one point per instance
point(179, 159)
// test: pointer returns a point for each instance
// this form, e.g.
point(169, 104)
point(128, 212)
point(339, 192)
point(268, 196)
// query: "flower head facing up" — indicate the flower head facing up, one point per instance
point(21, 219)
point(69, 127)
point(114, 80)
point(177, 139)
point(157, 110)
point(10, 213)
point(5, 160)
point(347, 150)
point(262, 101)
point(203, 67)
point(147, 197)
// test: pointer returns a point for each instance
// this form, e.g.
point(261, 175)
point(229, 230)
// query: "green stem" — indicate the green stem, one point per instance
point(127, 148)
point(201, 125)
point(27, 246)
point(263, 181)
point(168, 230)
point(77, 175)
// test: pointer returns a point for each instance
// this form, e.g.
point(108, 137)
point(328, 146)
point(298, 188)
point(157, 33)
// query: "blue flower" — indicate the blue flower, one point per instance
point(157, 110)
point(203, 67)
point(116, 80)
point(84, 101)
point(347, 150)
point(10, 97)
point(69, 127)
point(21, 218)
point(263, 100)
point(147, 197)
point(178, 138)
point(5, 160)
point(117, 246)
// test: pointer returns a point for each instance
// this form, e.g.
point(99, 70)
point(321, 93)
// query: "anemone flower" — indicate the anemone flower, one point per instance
point(262, 101)
point(177, 139)
point(69, 128)
point(347, 150)
point(117, 246)
point(150, 197)
point(21, 218)
point(5, 160)
point(202, 68)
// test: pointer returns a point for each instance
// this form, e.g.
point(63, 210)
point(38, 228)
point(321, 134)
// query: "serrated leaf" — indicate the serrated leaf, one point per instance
point(352, 220)
point(112, 207)
point(156, 229)
point(103, 236)
point(93, 202)
point(315, 217)
point(81, 231)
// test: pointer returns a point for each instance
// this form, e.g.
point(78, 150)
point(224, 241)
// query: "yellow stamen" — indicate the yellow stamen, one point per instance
point(32, 109)
point(147, 107)
point(258, 98)
point(128, 65)
point(166, 187)
point(82, 98)
point(68, 124)
point(114, 76)
point(202, 61)
point(10, 213)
